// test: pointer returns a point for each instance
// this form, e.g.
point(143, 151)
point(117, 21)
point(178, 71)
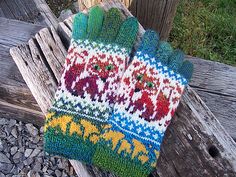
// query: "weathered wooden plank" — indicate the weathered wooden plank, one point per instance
point(8, 110)
point(14, 93)
point(215, 83)
point(55, 55)
point(48, 16)
point(33, 11)
point(195, 144)
point(153, 14)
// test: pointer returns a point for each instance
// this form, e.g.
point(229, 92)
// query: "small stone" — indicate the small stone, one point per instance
point(8, 154)
point(32, 146)
point(4, 121)
point(28, 152)
point(49, 172)
point(22, 149)
point(37, 167)
point(40, 160)
point(2, 175)
point(4, 159)
point(30, 173)
point(59, 164)
point(20, 166)
point(58, 173)
point(37, 175)
point(8, 131)
point(15, 170)
point(13, 150)
point(36, 139)
point(14, 132)
point(45, 168)
point(35, 152)
point(12, 122)
point(18, 155)
point(32, 129)
point(28, 161)
point(41, 154)
point(1, 145)
point(20, 127)
point(5, 168)
point(11, 140)
point(42, 129)
point(64, 174)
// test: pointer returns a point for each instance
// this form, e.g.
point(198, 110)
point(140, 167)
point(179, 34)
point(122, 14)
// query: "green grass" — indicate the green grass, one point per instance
point(58, 5)
point(206, 29)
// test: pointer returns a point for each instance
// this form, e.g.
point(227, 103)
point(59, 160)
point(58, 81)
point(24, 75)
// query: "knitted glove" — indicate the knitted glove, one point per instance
point(97, 57)
point(148, 96)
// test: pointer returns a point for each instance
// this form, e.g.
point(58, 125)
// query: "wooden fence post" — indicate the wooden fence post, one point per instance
point(152, 14)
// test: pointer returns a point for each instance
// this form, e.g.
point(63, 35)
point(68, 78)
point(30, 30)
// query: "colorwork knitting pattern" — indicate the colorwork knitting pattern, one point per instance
point(148, 96)
point(97, 57)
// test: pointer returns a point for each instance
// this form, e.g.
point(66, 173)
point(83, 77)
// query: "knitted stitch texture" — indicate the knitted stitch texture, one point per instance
point(97, 57)
point(148, 96)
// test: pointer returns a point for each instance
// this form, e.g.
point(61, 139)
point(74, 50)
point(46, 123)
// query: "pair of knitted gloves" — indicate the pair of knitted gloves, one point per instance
point(108, 110)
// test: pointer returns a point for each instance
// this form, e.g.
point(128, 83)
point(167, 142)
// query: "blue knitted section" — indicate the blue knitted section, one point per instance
point(149, 43)
point(142, 132)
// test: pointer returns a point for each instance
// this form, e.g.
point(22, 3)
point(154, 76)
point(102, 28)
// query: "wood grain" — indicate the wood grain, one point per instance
point(195, 143)
point(32, 11)
point(14, 93)
point(215, 83)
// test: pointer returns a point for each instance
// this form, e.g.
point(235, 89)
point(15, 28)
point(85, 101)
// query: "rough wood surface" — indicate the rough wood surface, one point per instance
point(16, 99)
point(33, 11)
point(195, 144)
point(215, 83)
point(152, 14)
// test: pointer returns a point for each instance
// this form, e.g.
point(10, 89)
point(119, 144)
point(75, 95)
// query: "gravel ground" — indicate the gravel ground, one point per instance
point(21, 153)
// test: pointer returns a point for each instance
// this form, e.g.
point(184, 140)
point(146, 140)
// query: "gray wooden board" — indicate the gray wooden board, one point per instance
point(195, 144)
point(33, 11)
point(216, 84)
point(14, 93)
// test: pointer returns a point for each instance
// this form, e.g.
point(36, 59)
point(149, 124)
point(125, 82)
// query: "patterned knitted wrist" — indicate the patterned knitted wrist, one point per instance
point(148, 96)
point(96, 60)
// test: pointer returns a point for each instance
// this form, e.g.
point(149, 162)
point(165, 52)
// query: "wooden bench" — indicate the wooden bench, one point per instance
point(19, 21)
point(195, 143)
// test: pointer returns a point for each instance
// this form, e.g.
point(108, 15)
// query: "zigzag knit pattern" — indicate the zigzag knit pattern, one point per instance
point(97, 57)
point(148, 96)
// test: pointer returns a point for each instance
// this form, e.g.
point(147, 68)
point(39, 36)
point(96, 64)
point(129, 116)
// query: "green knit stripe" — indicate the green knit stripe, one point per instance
point(71, 147)
point(80, 24)
point(128, 33)
point(122, 166)
point(111, 25)
point(95, 22)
